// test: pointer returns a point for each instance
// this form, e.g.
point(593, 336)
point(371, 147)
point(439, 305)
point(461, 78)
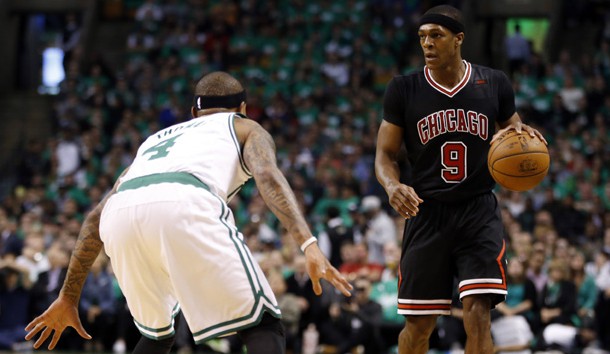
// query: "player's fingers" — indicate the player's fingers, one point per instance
point(33, 330)
point(32, 324)
point(37, 345)
point(414, 197)
point(55, 339)
point(529, 130)
point(409, 201)
point(503, 131)
point(398, 206)
point(401, 210)
point(496, 136)
point(340, 283)
point(81, 331)
point(541, 137)
point(535, 133)
point(410, 204)
point(411, 209)
point(415, 200)
point(317, 288)
point(43, 336)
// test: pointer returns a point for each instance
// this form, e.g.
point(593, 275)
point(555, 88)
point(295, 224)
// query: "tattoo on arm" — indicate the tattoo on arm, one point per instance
point(259, 154)
point(88, 247)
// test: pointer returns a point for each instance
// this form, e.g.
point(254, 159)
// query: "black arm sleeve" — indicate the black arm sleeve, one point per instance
point(506, 96)
point(394, 103)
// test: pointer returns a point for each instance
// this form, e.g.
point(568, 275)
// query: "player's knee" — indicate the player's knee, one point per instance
point(420, 326)
point(477, 304)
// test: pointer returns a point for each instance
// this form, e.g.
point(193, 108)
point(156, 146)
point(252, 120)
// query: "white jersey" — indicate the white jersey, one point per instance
point(206, 147)
point(172, 238)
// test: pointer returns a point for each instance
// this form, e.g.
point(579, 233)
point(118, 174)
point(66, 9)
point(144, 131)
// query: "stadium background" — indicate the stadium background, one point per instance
point(84, 81)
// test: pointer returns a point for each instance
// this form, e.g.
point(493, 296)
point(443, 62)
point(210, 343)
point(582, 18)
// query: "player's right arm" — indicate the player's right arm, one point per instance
point(259, 155)
point(401, 197)
point(389, 141)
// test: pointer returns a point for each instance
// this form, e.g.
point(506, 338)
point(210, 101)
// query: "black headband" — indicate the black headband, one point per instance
point(445, 21)
point(227, 101)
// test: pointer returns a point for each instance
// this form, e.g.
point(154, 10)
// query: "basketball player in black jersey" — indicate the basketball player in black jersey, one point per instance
point(446, 115)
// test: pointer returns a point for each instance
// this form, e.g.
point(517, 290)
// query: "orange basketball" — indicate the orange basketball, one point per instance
point(517, 161)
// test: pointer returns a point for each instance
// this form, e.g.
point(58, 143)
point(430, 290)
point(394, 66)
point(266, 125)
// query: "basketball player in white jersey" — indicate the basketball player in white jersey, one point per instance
point(172, 239)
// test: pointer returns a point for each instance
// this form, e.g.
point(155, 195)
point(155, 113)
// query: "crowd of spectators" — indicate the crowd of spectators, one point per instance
point(315, 72)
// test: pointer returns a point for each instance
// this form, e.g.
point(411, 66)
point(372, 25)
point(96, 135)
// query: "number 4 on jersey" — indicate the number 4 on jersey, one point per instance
point(161, 149)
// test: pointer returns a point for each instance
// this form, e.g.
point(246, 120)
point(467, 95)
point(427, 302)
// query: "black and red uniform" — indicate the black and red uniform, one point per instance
point(458, 230)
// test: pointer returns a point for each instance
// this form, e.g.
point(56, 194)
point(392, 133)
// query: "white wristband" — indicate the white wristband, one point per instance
point(308, 243)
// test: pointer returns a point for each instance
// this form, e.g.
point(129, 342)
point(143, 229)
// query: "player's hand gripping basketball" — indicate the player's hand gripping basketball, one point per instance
point(61, 314)
point(518, 127)
point(404, 200)
point(318, 267)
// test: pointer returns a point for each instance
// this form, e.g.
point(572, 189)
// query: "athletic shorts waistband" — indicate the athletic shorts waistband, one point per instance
point(166, 177)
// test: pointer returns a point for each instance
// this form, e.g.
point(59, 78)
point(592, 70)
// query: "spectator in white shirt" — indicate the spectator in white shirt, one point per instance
point(380, 228)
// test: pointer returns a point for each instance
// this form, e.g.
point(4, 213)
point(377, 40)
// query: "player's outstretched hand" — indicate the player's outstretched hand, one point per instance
point(519, 127)
point(61, 314)
point(318, 267)
point(404, 200)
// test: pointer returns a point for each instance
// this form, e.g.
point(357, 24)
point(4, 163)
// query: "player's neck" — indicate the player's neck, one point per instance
point(449, 76)
point(208, 111)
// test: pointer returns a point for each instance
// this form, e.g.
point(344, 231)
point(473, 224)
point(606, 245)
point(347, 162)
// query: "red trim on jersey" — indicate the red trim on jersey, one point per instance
point(399, 273)
point(491, 285)
point(482, 286)
point(424, 306)
point(499, 260)
point(442, 89)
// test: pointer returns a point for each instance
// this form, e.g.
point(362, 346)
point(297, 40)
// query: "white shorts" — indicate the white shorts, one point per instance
point(175, 247)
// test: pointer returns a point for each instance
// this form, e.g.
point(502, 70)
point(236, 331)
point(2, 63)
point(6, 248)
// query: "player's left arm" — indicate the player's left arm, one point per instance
point(259, 155)
point(514, 122)
point(63, 312)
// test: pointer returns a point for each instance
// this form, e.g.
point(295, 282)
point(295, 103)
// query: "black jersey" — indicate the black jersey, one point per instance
point(447, 132)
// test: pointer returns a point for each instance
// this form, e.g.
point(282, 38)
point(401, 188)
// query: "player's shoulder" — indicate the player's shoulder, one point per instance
point(242, 119)
point(486, 72)
point(407, 82)
point(412, 76)
point(244, 126)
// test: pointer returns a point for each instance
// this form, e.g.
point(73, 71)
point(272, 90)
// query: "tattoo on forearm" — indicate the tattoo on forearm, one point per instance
point(87, 248)
point(260, 156)
point(278, 196)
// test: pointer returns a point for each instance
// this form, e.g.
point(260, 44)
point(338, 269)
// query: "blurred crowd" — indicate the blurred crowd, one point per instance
point(315, 73)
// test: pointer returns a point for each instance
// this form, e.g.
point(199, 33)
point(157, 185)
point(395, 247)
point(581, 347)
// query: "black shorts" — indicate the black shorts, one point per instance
point(448, 241)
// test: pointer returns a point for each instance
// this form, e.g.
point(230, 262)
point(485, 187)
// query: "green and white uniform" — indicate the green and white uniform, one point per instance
point(172, 238)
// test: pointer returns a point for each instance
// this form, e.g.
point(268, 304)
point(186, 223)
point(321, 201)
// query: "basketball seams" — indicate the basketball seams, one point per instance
point(528, 176)
point(519, 154)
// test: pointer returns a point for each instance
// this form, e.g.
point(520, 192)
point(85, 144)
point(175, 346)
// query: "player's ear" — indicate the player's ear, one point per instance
point(193, 112)
point(242, 108)
point(459, 39)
